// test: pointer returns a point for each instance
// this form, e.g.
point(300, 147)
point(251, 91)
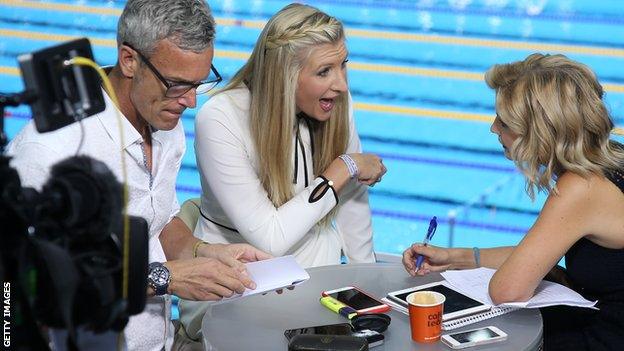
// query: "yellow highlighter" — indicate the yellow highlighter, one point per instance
point(338, 307)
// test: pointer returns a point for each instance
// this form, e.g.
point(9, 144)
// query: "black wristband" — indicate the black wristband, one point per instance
point(321, 189)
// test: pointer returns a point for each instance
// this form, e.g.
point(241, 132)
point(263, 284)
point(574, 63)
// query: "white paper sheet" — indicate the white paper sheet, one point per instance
point(273, 274)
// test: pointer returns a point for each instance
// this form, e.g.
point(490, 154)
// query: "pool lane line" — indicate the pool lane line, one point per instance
point(243, 55)
point(429, 113)
point(489, 43)
point(363, 137)
point(9, 71)
point(481, 166)
point(462, 223)
point(449, 163)
point(516, 12)
point(391, 98)
point(400, 195)
point(369, 34)
point(387, 156)
point(385, 140)
point(31, 35)
point(354, 25)
point(94, 10)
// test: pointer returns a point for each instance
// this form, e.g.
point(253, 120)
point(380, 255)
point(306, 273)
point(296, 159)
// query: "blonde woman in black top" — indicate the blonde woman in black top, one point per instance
point(552, 122)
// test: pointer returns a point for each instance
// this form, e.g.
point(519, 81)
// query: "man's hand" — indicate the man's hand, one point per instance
point(206, 279)
point(233, 255)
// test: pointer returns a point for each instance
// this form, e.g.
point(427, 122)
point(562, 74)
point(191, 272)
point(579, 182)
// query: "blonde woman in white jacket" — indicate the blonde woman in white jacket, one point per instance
point(280, 160)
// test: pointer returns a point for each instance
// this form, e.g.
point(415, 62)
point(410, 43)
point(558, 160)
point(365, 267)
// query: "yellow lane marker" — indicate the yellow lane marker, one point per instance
point(231, 54)
point(423, 112)
point(415, 71)
point(615, 88)
point(358, 66)
point(11, 71)
point(22, 34)
point(399, 110)
point(242, 55)
point(62, 7)
point(408, 111)
point(232, 22)
point(499, 44)
point(363, 33)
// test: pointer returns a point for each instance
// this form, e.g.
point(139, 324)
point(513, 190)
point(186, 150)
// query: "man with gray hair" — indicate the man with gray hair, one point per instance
point(164, 58)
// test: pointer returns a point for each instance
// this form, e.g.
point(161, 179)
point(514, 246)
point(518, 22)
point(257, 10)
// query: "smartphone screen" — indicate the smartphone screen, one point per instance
point(355, 299)
point(474, 335)
point(330, 329)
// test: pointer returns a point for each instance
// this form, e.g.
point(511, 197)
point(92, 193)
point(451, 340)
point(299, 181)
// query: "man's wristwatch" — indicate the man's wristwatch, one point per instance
point(158, 278)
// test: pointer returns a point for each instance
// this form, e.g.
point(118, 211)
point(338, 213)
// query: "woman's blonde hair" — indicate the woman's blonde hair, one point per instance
point(554, 105)
point(271, 74)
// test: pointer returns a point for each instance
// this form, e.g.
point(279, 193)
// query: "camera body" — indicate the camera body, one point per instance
point(67, 254)
point(62, 250)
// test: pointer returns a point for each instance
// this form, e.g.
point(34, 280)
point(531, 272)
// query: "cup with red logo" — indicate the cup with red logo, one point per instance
point(425, 313)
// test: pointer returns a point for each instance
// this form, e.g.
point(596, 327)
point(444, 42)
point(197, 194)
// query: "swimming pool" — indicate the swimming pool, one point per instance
point(415, 74)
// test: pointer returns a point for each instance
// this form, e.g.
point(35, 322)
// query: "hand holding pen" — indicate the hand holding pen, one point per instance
point(433, 225)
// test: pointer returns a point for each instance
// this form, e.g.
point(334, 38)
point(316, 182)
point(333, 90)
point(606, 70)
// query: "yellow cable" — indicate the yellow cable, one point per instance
point(83, 61)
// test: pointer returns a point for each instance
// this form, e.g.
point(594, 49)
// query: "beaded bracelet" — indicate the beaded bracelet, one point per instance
point(477, 256)
point(351, 165)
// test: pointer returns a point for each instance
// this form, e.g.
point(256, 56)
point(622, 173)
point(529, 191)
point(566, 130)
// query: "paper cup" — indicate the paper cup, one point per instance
point(425, 313)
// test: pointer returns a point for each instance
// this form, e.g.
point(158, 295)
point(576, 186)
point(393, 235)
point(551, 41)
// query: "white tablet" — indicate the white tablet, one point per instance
point(456, 304)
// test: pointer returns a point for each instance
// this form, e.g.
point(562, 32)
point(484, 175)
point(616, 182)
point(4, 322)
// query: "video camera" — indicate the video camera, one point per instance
point(61, 249)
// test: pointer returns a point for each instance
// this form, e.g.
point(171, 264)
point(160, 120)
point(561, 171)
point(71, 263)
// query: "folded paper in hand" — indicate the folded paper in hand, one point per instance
point(273, 274)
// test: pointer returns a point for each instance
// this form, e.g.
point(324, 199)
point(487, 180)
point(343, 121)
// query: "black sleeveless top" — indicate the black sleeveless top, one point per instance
point(597, 273)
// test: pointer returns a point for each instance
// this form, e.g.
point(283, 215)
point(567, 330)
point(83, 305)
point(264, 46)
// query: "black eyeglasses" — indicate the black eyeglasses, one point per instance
point(175, 90)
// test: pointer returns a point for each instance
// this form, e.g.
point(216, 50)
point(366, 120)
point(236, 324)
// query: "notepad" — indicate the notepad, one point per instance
point(493, 312)
point(475, 283)
point(273, 274)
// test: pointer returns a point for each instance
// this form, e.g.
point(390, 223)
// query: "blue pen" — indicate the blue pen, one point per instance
point(433, 225)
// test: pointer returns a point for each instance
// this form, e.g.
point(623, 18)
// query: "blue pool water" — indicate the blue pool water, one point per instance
point(415, 75)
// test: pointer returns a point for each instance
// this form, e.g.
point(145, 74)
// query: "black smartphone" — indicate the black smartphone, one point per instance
point(372, 337)
point(330, 329)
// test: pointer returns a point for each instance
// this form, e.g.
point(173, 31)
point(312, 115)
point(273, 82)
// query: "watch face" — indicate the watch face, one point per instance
point(159, 276)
